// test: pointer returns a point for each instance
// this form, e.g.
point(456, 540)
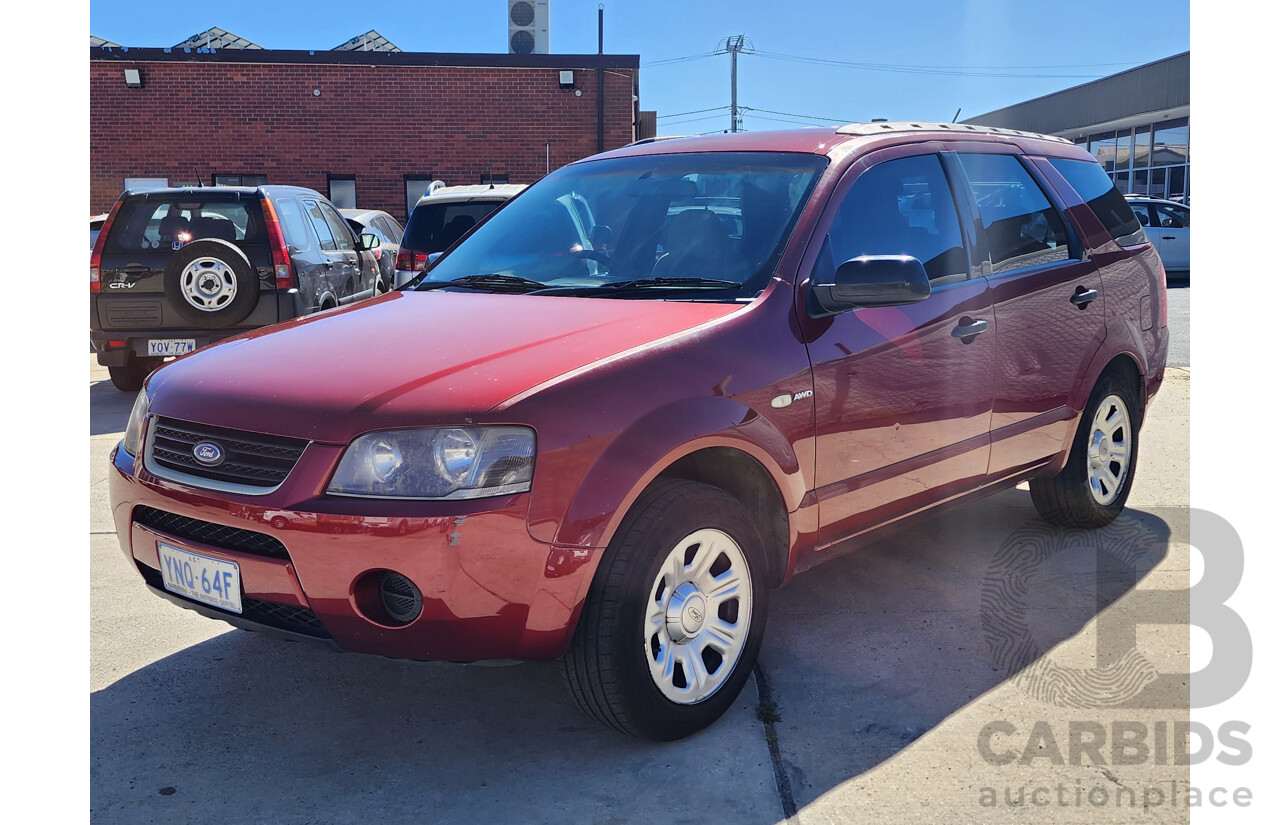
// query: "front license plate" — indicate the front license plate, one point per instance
point(207, 580)
point(171, 346)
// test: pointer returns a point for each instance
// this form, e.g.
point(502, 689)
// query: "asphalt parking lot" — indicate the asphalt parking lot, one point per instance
point(882, 675)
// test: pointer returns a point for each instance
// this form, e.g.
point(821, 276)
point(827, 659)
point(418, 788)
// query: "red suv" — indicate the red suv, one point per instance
point(653, 386)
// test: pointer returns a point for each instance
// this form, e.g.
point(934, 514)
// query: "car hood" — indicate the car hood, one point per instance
point(407, 359)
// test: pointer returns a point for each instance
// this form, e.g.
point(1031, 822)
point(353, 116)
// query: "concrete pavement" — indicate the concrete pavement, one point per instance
point(883, 667)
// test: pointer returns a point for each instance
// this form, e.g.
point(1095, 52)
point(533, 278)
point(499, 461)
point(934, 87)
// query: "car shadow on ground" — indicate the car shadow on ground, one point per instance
point(868, 653)
point(109, 408)
point(863, 658)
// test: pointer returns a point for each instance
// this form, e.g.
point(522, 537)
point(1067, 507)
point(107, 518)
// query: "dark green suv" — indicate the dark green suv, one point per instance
point(177, 269)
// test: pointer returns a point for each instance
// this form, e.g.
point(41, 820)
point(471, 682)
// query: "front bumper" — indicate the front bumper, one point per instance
point(310, 570)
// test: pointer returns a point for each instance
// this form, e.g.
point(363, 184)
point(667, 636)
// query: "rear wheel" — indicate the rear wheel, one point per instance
point(675, 615)
point(1094, 485)
point(129, 378)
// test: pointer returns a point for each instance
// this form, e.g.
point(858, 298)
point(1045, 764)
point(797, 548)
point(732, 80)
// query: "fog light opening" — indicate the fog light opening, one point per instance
point(401, 598)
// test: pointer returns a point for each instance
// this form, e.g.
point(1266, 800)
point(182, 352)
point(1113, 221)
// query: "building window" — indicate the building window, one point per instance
point(342, 191)
point(1171, 143)
point(415, 186)
point(239, 180)
point(489, 179)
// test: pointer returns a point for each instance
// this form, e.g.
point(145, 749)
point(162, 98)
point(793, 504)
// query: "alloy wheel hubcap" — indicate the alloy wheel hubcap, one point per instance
point(699, 616)
point(1109, 449)
point(208, 284)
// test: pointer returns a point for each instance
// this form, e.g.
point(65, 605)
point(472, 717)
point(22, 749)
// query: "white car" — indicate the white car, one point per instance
point(1168, 227)
point(389, 232)
point(442, 216)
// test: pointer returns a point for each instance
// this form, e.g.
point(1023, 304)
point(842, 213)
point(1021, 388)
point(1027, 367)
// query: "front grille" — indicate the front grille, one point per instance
point(206, 532)
point(289, 617)
point(251, 459)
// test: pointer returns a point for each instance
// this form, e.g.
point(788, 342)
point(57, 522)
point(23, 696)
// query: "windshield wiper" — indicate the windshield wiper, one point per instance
point(641, 285)
point(494, 281)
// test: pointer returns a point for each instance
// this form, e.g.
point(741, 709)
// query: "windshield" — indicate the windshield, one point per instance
point(705, 226)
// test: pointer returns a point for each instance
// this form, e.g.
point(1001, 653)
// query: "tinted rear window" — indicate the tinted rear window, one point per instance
point(158, 221)
point(1096, 189)
point(433, 227)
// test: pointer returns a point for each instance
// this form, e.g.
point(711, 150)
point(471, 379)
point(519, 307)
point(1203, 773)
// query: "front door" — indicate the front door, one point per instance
point(903, 394)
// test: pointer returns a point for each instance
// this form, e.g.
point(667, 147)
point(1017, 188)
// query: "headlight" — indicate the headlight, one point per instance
point(438, 463)
point(132, 441)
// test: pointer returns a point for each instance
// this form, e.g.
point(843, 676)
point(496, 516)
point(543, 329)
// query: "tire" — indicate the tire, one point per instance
point(646, 658)
point(279, 522)
point(129, 378)
point(211, 284)
point(1094, 485)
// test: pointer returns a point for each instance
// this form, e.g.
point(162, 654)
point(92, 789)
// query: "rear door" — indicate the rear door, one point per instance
point(902, 394)
point(1049, 317)
point(359, 270)
point(147, 231)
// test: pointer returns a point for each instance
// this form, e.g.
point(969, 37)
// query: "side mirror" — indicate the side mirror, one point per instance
point(369, 241)
point(870, 281)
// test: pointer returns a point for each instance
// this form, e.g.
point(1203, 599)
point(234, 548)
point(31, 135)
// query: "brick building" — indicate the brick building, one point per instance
point(372, 126)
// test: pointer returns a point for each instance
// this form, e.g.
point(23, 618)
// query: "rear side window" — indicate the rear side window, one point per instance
point(169, 221)
point(433, 227)
point(320, 225)
point(901, 207)
point(293, 222)
point(1096, 189)
point(1023, 228)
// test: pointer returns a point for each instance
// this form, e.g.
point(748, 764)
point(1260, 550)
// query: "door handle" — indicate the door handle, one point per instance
point(1084, 297)
point(1168, 238)
point(968, 329)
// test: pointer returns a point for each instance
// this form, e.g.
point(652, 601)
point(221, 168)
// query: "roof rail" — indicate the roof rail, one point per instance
point(643, 141)
point(864, 129)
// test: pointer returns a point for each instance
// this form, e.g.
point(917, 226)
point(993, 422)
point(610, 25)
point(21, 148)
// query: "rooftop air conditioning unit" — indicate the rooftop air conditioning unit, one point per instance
point(527, 26)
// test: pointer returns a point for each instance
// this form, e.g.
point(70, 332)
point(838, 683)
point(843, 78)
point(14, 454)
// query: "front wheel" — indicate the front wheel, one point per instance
point(1094, 485)
point(674, 618)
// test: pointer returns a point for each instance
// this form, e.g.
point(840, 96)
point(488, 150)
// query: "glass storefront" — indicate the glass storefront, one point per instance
point(1152, 159)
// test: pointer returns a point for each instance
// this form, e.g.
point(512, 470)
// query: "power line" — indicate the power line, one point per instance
point(694, 112)
point(792, 114)
point(904, 69)
point(671, 60)
point(691, 120)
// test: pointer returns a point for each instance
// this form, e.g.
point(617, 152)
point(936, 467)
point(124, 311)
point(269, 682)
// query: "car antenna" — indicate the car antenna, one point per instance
point(198, 180)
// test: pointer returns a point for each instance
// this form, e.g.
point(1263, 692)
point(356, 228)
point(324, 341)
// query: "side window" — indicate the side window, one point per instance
point(293, 223)
point(1097, 190)
point(321, 226)
point(1143, 214)
point(900, 207)
point(1023, 227)
point(341, 231)
point(1173, 217)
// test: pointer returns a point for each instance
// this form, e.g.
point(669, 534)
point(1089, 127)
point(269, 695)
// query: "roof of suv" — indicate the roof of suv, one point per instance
point(820, 140)
point(266, 189)
point(452, 194)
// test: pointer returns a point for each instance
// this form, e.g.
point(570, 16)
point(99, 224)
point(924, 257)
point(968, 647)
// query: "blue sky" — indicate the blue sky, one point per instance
point(937, 56)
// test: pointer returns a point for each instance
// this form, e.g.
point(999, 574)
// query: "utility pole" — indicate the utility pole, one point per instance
point(733, 45)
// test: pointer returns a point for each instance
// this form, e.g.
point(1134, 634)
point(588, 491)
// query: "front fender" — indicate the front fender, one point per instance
point(638, 454)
